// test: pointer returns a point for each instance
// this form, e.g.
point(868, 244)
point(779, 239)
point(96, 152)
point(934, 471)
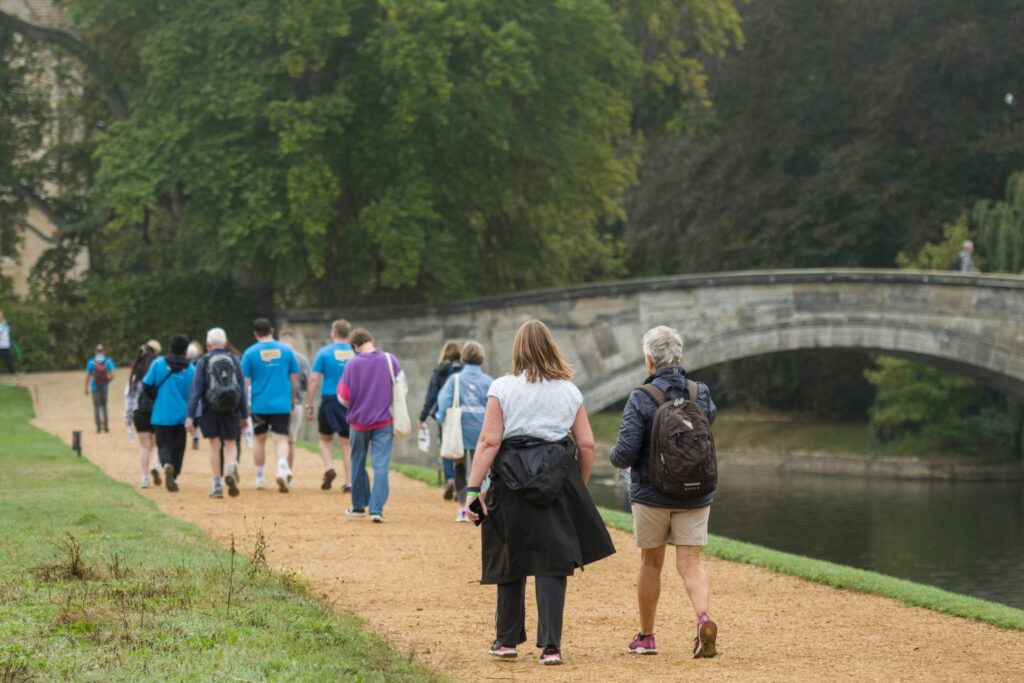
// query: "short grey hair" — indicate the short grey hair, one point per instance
point(217, 337)
point(664, 346)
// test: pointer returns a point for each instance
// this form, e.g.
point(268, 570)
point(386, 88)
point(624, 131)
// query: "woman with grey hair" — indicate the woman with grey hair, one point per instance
point(660, 518)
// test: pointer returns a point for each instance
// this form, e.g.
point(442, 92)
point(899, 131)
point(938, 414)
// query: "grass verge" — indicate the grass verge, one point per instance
point(820, 571)
point(96, 583)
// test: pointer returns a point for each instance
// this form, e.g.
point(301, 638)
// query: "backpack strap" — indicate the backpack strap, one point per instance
point(655, 393)
point(691, 388)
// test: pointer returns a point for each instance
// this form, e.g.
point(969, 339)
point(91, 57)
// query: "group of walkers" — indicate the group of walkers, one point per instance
point(519, 469)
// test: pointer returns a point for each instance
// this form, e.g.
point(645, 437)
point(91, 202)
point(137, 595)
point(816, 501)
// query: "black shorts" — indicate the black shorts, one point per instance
point(141, 421)
point(333, 417)
point(223, 425)
point(276, 423)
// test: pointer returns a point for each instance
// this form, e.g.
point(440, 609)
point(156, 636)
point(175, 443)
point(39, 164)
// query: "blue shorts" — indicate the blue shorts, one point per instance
point(333, 417)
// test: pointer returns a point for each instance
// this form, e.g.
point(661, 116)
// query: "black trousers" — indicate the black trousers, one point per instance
point(462, 468)
point(8, 359)
point(99, 407)
point(510, 618)
point(170, 445)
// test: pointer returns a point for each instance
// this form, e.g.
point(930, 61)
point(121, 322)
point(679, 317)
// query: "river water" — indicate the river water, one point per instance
point(965, 537)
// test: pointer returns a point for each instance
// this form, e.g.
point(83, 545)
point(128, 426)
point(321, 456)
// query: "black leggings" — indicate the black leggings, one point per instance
point(170, 444)
point(462, 468)
point(510, 618)
point(5, 355)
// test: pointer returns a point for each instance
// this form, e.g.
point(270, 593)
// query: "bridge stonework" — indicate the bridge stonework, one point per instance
point(970, 324)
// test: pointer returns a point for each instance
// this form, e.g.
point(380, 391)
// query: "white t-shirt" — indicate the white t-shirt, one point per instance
point(5, 336)
point(544, 409)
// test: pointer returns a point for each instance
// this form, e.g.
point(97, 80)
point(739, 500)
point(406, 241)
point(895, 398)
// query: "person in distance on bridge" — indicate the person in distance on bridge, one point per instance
point(542, 525)
point(447, 363)
point(660, 518)
point(964, 262)
point(332, 416)
point(272, 372)
point(168, 383)
point(295, 422)
point(470, 386)
point(366, 389)
point(218, 407)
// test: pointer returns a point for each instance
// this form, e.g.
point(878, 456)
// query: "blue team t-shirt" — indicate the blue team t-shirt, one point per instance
point(269, 365)
point(172, 396)
point(91, 365)
point(330, 362)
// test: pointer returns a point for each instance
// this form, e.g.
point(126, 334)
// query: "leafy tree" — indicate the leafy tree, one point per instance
point(1000, 227)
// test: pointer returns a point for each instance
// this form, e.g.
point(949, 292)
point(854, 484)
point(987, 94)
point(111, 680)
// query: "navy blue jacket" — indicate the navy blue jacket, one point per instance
point(633, 445)
point(437, 379)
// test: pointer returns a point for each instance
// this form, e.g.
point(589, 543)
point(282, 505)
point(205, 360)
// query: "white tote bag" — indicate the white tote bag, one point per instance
point(401, 424)
point(451, 430)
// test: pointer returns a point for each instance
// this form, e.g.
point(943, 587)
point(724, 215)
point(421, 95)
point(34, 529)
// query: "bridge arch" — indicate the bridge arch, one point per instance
point(971, 324)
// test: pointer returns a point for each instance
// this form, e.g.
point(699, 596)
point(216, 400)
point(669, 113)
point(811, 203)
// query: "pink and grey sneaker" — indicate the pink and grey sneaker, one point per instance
point(643, 645)
point(707, 633)
point(551, 656)
point(502, 652)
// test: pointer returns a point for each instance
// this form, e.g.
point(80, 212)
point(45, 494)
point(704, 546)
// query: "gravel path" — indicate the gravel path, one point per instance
point(413, 579)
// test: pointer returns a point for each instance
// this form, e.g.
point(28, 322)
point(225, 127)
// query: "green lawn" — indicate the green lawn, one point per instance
point(820, 571)
point(97, 584)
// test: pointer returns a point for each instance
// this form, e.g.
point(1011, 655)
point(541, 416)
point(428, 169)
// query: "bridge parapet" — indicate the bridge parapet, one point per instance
point(969, 323)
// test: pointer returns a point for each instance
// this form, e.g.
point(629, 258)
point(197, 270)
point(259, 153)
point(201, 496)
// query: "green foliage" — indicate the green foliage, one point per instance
point(1000, 228)
point(845, 132)
point(97, 584)
point(939, 255)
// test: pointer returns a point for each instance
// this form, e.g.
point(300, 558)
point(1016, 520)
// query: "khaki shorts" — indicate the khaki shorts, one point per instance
point(654, 527)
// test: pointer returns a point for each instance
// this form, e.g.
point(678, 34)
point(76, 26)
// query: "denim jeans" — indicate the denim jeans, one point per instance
point(99, 407)
point(378, 442)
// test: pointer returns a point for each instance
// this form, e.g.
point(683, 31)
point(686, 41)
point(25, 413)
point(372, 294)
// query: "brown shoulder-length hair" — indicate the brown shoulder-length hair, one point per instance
point(535, 353)
point(450, 351)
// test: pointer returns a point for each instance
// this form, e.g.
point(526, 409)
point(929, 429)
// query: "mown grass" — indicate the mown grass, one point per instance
point(820, 571)
point(97, 584)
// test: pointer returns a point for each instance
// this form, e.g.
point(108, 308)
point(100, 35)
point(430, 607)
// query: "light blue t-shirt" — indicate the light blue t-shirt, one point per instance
point(172, 396)
point(269, 365)
point(91, 365)
point(330, 362)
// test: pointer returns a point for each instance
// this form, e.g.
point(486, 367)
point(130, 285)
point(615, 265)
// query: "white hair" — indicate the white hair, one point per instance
point(217, 337)
point(664, 347)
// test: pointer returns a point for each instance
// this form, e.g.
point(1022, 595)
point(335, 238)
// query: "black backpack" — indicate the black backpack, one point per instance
point(683, 463)
point(223, 392)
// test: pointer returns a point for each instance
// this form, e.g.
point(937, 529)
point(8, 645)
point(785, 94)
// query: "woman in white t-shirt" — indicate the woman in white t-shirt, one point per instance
point(539, 519)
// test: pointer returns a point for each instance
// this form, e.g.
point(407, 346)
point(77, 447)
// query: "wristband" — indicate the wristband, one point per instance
point(472, 491)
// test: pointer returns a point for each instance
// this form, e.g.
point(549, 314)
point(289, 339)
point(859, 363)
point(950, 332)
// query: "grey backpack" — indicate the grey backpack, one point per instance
point(683, 462)
point(223, 392)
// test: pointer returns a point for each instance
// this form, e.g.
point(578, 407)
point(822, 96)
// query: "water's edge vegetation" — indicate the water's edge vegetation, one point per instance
point(818, 571)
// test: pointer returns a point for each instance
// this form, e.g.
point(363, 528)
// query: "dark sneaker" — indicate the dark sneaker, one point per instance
point(329, 476)
point(377, 518)
point(707, 634)
point(169, 482)
point(502, 652)
point(449, 489)
point(643, 645)
point(347, 488)
point(231, 479)
point(353, 512)
point(551, 656)
point(155, 474)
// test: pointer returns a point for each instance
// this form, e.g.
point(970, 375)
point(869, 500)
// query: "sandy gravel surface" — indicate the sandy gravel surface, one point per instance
point(414, 580)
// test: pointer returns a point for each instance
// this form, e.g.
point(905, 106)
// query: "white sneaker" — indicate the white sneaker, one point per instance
point(261, 483)
point(231, 479)
point(284, 477)
point(144, 484)
point(460, 516)
point(377, 518)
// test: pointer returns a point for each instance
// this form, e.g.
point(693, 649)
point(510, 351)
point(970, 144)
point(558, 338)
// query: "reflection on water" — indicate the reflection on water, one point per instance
point(962, 536)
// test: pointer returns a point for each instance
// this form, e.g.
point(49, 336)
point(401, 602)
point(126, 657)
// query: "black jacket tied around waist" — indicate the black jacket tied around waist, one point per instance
point(541, 520)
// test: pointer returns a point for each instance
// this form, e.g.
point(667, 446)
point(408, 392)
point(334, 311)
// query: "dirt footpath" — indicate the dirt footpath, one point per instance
point(413, 579)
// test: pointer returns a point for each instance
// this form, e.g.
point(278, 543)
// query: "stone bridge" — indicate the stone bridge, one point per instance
point(970, 324)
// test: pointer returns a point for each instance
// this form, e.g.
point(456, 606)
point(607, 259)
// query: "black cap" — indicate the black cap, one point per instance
point(179, 344)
